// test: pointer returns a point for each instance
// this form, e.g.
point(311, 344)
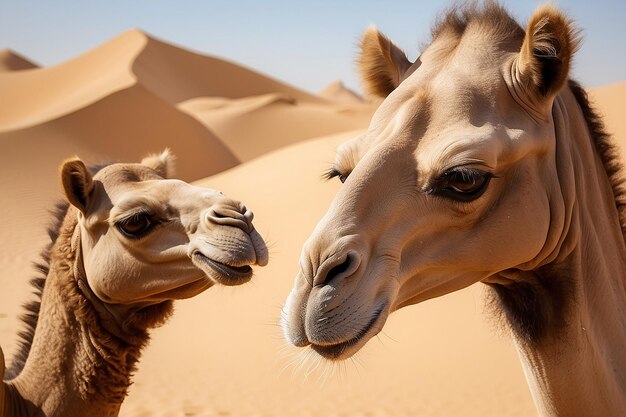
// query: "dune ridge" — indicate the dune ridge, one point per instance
point(339, 93)
point(252, 126)
point(191, 75)
point(133, 57)
point(12, 61)
point(69, 86)
point(189, 83)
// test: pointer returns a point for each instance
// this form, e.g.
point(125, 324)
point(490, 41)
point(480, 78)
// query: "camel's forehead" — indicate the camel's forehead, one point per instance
point(135, 182)
point(459, 89)
point(120, 175)
point(462, 88)
point(427, 107)
point(446, 112)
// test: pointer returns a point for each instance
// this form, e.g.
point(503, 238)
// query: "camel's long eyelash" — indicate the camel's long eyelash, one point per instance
point(331, 173)
point(334, 172)
point(132, 215)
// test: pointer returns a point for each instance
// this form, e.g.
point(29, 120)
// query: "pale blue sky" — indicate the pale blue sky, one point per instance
point(305, 43)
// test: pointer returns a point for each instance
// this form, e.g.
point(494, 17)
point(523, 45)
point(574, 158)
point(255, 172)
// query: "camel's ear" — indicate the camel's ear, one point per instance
point(162, 163)
point(381, 63)
point(77, 183)
point(549, 45)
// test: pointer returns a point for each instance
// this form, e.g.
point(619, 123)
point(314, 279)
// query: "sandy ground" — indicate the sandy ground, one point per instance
point(267, 144)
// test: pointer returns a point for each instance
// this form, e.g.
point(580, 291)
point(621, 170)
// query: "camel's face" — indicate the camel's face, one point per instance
point(447, 188)
point(146, 239)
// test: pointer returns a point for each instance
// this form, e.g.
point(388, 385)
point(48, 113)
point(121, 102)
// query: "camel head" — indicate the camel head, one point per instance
point(143, 239)
point(453, 183)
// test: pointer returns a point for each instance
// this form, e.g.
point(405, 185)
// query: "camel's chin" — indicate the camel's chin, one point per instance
point(187, 290)
point(345, 349)
point(340, 351)
point(221, 273)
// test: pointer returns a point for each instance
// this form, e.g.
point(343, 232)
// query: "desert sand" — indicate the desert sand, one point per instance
point(267, 144)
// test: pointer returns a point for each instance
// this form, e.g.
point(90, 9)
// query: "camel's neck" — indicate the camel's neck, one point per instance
point(578, 367)
point(75, 367)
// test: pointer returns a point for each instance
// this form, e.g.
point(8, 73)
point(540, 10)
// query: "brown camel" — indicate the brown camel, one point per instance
point(484, 163)
point(128, 244)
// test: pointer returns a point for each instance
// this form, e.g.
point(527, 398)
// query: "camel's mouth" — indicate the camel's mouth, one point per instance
point(343, 350)
point(222, 273)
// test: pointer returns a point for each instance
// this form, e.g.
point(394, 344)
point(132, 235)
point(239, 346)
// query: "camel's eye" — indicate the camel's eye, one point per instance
point(334, 172)
point(462, 184)
point(136, 225)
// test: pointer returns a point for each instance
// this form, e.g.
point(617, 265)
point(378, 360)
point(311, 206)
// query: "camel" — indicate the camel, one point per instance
point(127, 243)
point(484, 163)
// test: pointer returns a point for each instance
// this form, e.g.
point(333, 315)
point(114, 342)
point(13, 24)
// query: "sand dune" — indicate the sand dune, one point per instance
point(339, 93)
point(133, 57)
point(122, 126)
point(252, 126)
point(161, 82)
point(192, 75)
point(34, 97)
point(12, 61)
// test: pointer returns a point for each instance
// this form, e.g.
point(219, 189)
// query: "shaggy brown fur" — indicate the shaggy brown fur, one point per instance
point(607, 149)
point(382, 65)
point(31, 313)
point(490, 17)
point(117, 355)
point(115, 360)
point(535, 306)
point(30, 317)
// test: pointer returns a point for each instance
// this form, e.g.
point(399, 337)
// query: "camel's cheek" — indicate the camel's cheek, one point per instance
point(113, 275)
point(511, 230)
point(516, 233)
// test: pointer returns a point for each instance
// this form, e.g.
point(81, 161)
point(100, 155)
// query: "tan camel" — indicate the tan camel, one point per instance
point(482, 164)
point(128, 244)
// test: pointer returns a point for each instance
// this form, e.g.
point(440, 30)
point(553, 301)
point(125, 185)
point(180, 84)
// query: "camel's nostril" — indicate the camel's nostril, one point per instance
point(227, 216)
point(339, 269)
point(217, 215)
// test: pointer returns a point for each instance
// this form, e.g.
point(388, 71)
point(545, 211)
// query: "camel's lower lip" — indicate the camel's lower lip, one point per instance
point(341, 350)
point(222, 273)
